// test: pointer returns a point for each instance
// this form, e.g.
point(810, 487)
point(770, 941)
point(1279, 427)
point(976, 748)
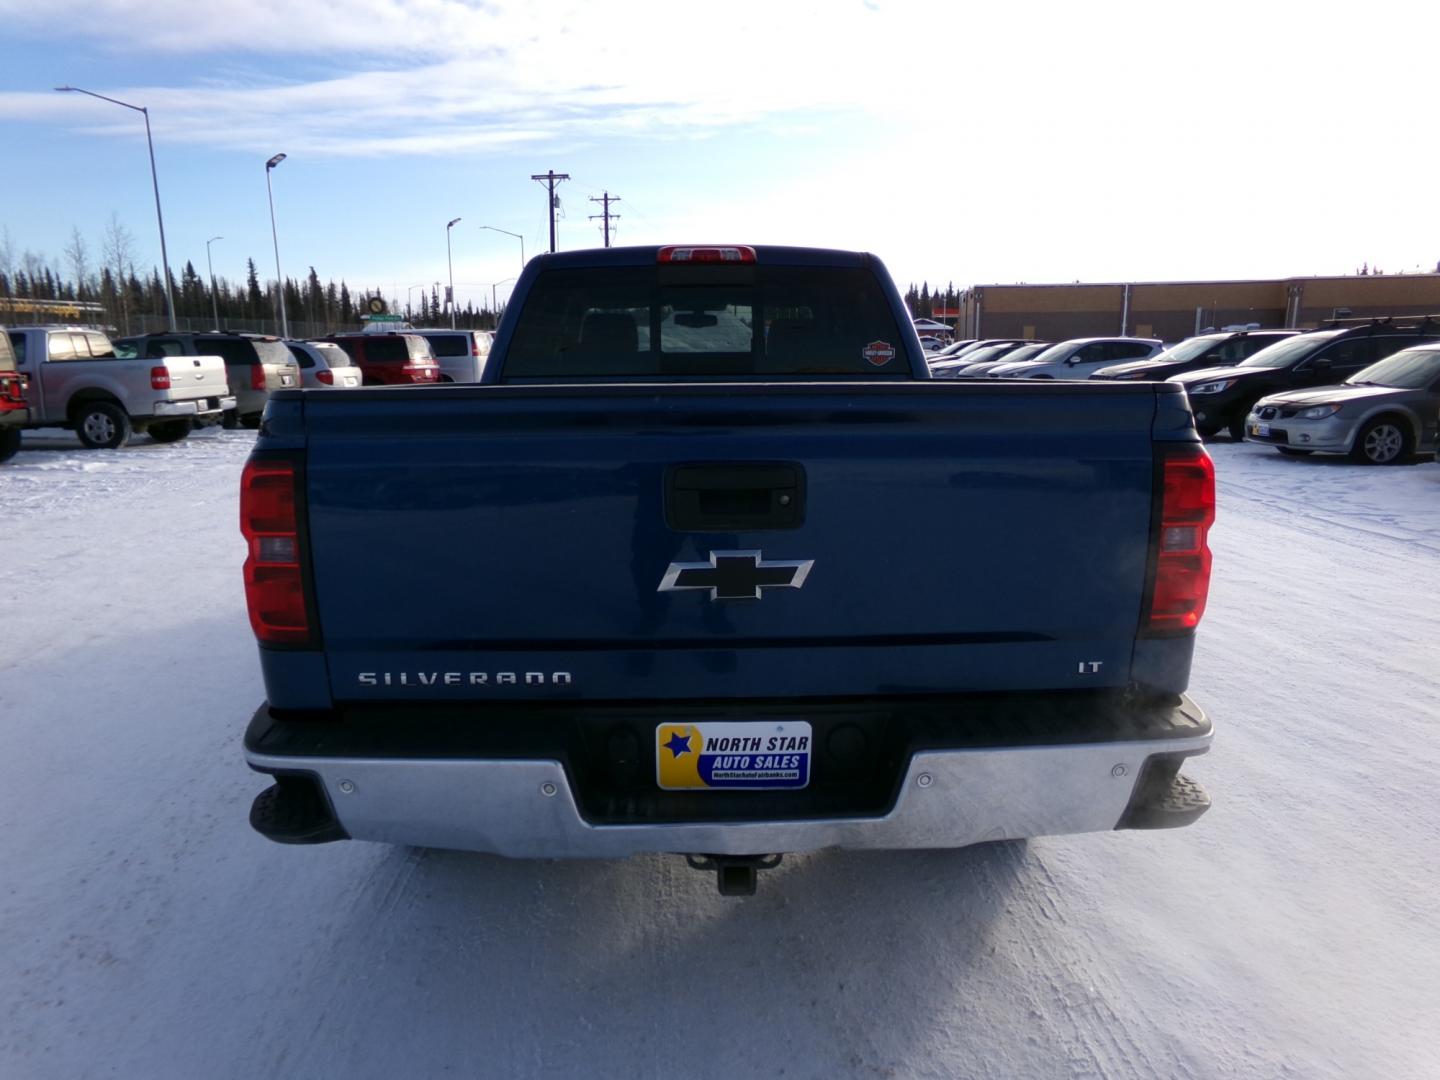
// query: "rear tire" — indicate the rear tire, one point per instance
point(1291, 451)
point(102, 425)
point(168, 431)
point(9, 443)
point(231, 420)
point(1384, 440)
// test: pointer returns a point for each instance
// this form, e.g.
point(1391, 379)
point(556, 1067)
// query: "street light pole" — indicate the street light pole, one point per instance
point(214, 301)
point(275, 239)
point(494, 305)
point(451, 263)
point(155, 182)
point(517, 236)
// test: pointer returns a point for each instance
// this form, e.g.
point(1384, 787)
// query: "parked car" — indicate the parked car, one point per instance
point(953, 348)
point(967, 367)
point(255, 364)
point(390, 359)
point(932, 344)
point(13, 411)
point(324, 364)
point(460, 353)
point(1078, 357)
point(1379, 416)
point(1205, 350)
point(1222, 397)
point(1002, 353)
point(77, 379)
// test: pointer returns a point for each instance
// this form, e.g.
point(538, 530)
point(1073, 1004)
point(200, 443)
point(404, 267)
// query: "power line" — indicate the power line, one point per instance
point(607, 199)
point(550, 179)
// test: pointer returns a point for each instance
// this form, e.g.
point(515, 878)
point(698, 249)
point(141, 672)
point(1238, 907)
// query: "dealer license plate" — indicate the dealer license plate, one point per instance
point(713, 756)
point(1260, 429)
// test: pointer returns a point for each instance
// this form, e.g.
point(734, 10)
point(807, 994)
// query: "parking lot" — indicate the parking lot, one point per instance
point(146, 930)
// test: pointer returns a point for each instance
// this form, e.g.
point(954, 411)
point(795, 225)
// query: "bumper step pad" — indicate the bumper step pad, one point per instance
point(293, 810)
point(1165, 800)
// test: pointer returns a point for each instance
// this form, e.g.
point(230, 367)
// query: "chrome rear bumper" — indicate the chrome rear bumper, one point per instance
point(948, 799)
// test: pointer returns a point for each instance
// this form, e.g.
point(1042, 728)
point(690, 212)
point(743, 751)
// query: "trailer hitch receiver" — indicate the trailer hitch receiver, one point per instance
point(734, 874)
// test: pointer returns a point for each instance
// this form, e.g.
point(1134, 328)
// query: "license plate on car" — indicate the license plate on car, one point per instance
point(1260, 429)
point(286, 380)
point(705, 756)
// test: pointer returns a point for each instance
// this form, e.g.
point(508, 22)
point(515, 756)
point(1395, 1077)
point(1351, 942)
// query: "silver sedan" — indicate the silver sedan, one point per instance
point(1379, 416)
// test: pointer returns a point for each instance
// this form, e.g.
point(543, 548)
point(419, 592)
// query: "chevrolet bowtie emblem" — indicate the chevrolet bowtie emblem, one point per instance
point(735, 575)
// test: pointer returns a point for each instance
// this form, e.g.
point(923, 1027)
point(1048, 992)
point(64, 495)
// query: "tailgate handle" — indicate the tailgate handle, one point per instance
point(735, 497)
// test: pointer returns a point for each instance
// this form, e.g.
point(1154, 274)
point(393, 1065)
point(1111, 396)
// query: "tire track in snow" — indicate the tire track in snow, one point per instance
point(320, 987)
point(1067, 968)
point(1299, 515)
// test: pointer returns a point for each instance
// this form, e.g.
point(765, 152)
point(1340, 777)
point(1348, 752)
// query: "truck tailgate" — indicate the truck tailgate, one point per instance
point(959, 538)
point(195, 376)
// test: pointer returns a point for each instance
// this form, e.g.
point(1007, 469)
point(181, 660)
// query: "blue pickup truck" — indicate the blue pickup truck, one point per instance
point(726, 575)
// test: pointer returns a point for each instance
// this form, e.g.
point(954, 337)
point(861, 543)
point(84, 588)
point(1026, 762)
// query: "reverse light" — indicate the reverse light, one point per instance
point(275, 585)
point(706, 255)
point(1186, 491)
point(159, 377)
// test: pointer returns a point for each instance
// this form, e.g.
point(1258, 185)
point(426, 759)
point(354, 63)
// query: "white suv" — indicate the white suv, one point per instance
point(1078, 357)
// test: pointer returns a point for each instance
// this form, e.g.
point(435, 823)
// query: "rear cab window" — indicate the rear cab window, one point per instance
point(670, 321)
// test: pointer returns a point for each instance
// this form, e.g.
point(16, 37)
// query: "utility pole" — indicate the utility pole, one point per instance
point(550, 179)
point(607, 199)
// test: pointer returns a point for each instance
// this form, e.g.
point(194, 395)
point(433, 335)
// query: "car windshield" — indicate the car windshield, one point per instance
point(959, 346)
point(989, 352)
point(1054, 353)
point(1411, 369)
point(1027, 352)
point(272, 351)
point(334, 355)
point(449, 344)
point(1284, 353)
point(1186, 350)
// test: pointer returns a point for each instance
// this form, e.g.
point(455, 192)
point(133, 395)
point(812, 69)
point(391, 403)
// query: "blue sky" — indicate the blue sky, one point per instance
point(1019, 142)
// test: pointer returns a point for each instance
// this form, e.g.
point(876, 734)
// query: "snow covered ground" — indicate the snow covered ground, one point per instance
point(145, 931)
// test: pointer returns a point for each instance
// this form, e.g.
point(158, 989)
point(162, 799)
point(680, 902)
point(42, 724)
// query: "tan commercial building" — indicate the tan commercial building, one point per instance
point(1176, 310)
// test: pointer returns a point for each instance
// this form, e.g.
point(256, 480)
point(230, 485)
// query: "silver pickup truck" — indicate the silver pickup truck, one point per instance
point(77, 381)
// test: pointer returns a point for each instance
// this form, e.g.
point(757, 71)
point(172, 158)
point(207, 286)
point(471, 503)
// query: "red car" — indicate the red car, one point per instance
point(390, 359)
point(13, 412)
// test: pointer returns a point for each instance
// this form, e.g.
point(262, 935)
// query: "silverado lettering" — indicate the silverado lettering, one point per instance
point(458, 678)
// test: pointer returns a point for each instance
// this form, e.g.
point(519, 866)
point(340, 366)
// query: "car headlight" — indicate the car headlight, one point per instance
point(1216, 387)
point(1317, 412)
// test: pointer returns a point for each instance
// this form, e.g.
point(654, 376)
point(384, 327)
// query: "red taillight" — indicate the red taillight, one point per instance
point(1182, 563)
point(257, 377)
point(159, 378)
point(326, 376)
point(706, 255)
point(274, 578)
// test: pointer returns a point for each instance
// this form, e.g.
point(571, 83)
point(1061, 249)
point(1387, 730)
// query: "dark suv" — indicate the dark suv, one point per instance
point(1224, 349)
point(13, 412)
point(390, 359)
point(255, 364)
point(1222, 396)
